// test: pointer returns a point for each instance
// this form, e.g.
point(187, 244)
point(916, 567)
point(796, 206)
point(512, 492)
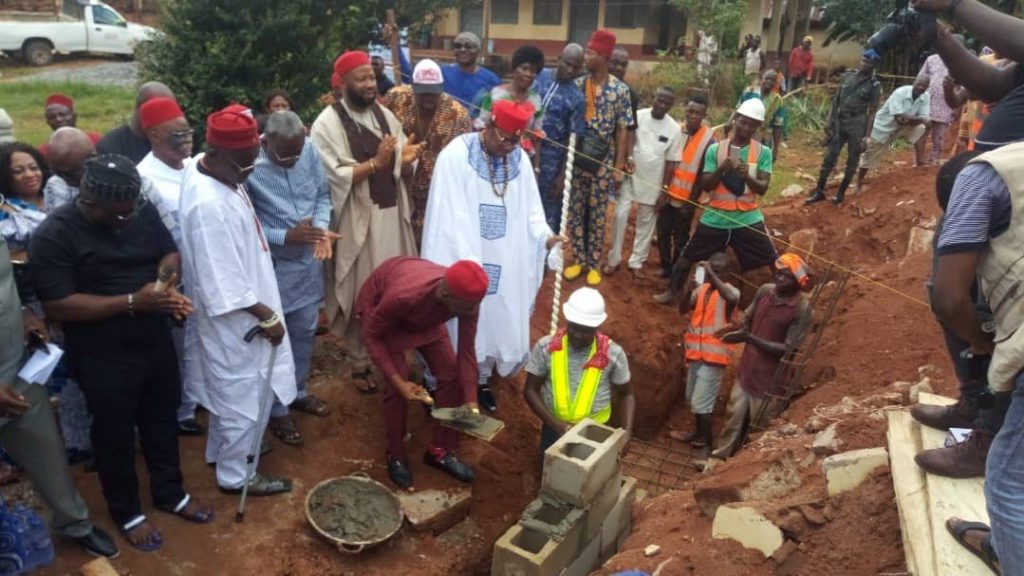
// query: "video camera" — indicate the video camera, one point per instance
point(905, 22)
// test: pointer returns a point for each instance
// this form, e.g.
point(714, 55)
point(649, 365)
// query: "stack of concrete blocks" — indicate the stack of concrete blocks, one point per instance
point(582, 514)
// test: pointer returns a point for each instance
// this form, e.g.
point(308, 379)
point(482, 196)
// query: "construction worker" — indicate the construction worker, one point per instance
point(713, 303)
point(736, 172)
point(850, 118)
point(579, 372)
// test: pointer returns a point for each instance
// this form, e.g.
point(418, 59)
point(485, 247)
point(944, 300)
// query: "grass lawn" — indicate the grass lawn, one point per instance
point(99, 108)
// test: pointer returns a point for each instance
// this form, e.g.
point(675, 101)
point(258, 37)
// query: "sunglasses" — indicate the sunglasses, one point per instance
point(464, 46)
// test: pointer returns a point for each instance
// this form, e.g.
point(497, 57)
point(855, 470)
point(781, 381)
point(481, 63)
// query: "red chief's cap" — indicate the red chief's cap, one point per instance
point(61, 99)
point(349, 61)
point(156, 111)
point(335, 80)
point(512, 117)
point(232, 129)
point(603, 42)
point(467, 281)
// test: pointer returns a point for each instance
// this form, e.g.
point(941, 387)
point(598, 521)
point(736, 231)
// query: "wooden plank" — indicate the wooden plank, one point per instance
point(947, 497)
point(911, 493)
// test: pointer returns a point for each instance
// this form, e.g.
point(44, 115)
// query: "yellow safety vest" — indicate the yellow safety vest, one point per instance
point(569, 409)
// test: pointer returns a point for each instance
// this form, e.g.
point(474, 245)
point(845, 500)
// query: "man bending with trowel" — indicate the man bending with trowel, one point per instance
point(404, 305)
point(229, 275)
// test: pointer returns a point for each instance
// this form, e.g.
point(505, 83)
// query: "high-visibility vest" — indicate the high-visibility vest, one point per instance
point(721, 197)
point(709, 316)
point(567, 408)
point(685, 176)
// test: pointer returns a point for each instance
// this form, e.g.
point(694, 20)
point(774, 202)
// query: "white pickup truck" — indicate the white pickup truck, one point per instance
point(83, 26)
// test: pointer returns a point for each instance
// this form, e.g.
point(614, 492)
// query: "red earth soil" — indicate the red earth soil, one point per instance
point(876, 337)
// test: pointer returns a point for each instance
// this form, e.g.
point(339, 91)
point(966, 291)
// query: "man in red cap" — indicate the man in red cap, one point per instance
point(367, 158)
point(484, 206)
point(600, 156)
point(129, 139)
point(404, 306)
point(60, 112)
point(228, 272)
point(164, 167)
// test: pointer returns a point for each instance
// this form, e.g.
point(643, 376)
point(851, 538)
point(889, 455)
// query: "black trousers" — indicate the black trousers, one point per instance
point(673, 229)
point(849, 134)
point(128, 389)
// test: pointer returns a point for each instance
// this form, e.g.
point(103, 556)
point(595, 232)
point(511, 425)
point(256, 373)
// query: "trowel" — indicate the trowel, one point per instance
point(469, 422)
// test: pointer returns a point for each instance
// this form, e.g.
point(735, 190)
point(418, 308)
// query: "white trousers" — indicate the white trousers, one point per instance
point(229, 440)
point(646, 217)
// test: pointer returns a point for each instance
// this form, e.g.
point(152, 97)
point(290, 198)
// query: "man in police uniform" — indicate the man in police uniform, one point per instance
point(849, 121)
point(578, 373)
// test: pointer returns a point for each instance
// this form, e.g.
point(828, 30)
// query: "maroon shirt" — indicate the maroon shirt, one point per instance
point(801, 62)
point(774, 319)
point(400, 311)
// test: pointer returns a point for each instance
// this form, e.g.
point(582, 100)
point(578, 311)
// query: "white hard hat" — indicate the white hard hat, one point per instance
point(585, 307)
point(753, 109)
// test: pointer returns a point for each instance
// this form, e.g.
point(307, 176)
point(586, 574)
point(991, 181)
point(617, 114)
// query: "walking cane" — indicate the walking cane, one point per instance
point(570, 159)
point(250, 459)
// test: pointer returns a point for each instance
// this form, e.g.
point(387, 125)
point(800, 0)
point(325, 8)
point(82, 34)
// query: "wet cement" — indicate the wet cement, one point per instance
point(354, 511)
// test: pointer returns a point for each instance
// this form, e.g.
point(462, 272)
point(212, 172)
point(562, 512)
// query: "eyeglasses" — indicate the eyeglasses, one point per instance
point(243, 171)
point(183, 134)
point(464, 46)
point(120, 217)
point(504, 137)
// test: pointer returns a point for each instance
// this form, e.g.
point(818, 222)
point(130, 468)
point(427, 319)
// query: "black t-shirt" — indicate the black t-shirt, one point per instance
point(69, 255)
point(1005, 124)
point(634, 102)
point(123, 141)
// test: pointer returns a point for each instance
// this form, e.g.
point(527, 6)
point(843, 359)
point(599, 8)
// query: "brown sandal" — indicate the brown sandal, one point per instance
point(286, 430)
point(311, 405)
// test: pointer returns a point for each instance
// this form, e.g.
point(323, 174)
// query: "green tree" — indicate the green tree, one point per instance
point(723, 18)
point(214, 52)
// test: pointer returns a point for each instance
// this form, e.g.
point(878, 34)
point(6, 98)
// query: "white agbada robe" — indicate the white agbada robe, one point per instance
point(167, 182)
point(226, 267)
point(467, 220)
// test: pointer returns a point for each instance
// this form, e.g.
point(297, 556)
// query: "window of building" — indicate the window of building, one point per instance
point(621, 14)
point(505, 12)
point(547, 12)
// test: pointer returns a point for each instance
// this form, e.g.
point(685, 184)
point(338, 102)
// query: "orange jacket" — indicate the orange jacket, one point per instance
point(708, 317)
point(721, 197)
point(685, 176)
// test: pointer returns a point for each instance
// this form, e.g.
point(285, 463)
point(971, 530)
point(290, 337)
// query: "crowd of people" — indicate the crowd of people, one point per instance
point(414, 219)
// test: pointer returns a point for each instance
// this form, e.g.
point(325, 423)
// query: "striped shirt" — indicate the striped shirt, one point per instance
point(282, 198)
point(979, 210)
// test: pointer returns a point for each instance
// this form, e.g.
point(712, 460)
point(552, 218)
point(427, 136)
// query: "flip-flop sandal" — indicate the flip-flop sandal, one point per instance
point(286, 430)
point(312, 405)
point(155, 543)
point(364, 376)
point(958, 528)
point(199, 517)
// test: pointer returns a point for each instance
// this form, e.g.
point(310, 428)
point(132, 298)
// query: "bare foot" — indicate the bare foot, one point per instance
point(144, 536)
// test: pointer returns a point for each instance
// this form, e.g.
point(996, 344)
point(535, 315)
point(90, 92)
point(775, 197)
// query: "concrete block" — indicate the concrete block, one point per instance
point(436, 510)
point(579, 464)
point(747, 526)
point(524, 552)
point(920, 241)
point(560, 521)
point(601, 506)
point(617, 525)
point(846, 471)
point(588, 559)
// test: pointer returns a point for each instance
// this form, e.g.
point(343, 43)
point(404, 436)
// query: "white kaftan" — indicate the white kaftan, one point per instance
point(467, 220)
point(167, 182)
point(226, 267)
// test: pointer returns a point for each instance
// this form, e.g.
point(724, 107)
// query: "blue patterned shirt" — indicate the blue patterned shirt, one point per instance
point(283, 198)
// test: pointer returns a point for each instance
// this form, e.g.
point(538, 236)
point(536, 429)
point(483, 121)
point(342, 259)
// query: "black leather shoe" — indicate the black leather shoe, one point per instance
point(818, 196)
point(399, 472)
point(485, 398)
point(190, 428)
point(452, 465)
point(99, 543)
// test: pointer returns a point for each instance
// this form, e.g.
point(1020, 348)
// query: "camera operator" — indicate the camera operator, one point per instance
point(1005, 34)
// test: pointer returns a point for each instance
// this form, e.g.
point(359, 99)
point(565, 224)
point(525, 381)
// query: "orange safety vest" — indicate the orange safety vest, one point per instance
point(721, 197)
point(685, 175)
point(709, 316)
